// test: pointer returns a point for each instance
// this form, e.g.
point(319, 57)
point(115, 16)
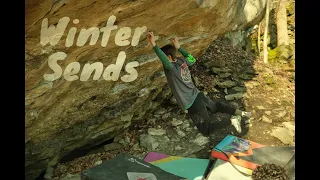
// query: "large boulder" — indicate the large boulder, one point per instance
point(73, 110)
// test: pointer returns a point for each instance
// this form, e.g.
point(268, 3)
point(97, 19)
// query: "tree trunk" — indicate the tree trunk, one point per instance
point(282, 31)
point(258, 43)
point(265, 47)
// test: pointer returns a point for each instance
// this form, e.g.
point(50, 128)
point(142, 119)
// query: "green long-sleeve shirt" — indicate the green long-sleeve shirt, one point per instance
point(165, 61)
point(179, 77)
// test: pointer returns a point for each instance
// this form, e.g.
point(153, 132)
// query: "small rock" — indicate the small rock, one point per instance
point(165, 116)
point(245, 76)
point(248, 125)
point(151, 121)
point(234, 96)
point(97, 163)
point(72, 177)
point(178, 148)
point(224, 75)
point(268, 88)
point(136, 147)
point(166, 138)
point(268, 112)
point(156, 132)
point(260, 107)
point(239, 89)
point(49, 173)
point(227, 84)
point(235, 105)
point(248, 92)
point(269, 102)
point(282, 114)
point(181, 133)
point(255, 83)
point(214, 90)
point(62, 168)
point(112, 146)
point(249, 86)
point(117, 138)
point(175, 139)
point(185, 125)
point(268, 70)
point(160, 111)
point(246, 96)
point(148, 142)
point(246, 103)
point(265, 119)
point(201, 140)
point(173, 100)
point(176, 122)
point(123, 142)
point(127, 139)
point(226, 91)
point(284, 135)
point(196, 81)
point(289, 126)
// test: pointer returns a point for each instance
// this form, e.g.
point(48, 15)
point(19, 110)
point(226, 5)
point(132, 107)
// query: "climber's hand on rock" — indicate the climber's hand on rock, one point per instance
point(175, 42)
point(150, 37)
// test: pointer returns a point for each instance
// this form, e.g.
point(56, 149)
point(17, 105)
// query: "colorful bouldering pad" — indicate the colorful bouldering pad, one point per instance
point(189, 168)
point(250, 154)
point(127, 167)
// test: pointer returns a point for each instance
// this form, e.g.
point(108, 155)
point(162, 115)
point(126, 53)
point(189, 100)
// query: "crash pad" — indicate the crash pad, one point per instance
point(127, 167)
point(189, 168)
point(250, 154)
point(224, 170)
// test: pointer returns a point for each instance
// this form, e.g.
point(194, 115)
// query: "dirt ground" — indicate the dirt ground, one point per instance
point(277, 97)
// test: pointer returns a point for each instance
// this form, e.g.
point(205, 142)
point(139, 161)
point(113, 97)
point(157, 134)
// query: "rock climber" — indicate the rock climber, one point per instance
point(187, 94)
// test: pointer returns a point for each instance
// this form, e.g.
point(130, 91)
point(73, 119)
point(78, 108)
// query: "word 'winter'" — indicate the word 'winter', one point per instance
point(53, 34)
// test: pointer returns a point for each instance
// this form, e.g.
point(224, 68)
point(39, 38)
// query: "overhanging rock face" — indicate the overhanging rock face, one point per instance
point(70, 109)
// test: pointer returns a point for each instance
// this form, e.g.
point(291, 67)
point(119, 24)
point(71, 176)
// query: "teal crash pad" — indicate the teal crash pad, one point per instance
point(189, 168)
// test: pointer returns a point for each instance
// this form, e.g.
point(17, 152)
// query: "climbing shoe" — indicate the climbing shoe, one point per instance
point(236, 122)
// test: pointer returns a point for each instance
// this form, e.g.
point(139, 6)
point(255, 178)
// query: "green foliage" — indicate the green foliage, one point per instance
point(272, 53)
